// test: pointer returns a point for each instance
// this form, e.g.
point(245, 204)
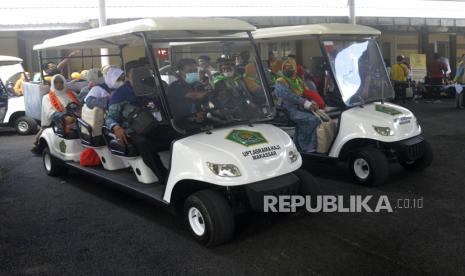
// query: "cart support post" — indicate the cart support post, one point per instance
point(261, 74)
point(102, 21)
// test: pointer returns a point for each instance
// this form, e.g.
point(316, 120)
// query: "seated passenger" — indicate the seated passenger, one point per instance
point(231, 89)
point(186, 94)
point(253, 83)
point(100, 93)
point(92, 76)
point(206, 70)
point(76, 83)
point(55, 102)
point(18, 88)
point(96, 101)
point(289, 90)
point(123, 102)
point(242, 61)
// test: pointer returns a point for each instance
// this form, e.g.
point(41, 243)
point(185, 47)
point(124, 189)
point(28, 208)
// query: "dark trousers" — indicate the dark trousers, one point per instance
point(400, 90)
point(436, 87)
point(149, 145)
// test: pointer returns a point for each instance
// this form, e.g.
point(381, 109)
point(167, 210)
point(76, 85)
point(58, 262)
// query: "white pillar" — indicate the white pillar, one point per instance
point(102, 21)
point(352, 19)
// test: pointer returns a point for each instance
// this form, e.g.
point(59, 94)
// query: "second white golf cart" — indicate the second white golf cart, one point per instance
point(220, 165)
point(370, 131)
point(12, 107)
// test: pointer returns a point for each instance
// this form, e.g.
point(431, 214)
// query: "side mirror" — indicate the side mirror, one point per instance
point(143, 81)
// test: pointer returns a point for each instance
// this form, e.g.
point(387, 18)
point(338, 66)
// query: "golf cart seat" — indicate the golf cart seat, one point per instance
point(130, 154)
point(59, 128)
point(117, 148)
point(87, 137)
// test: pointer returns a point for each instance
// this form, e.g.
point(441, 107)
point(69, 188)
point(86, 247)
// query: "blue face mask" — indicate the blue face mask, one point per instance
point(192, 77)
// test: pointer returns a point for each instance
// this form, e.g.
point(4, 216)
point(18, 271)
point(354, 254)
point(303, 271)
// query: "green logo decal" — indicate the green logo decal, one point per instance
point(62, 146)
point(388, 110)
point(246, 138)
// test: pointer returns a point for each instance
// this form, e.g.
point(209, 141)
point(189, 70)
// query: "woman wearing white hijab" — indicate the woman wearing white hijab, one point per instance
point(100, 92)
point(93, 77)
point(96, 102)
point(56, 100)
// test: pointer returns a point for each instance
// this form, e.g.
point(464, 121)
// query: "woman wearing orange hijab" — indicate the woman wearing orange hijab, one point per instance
point(290, 90)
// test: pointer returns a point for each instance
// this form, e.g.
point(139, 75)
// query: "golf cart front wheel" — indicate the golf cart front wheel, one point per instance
point(209, 217)
point(25, 125)
point(369, 167)
point(421, 163)
point(51, 164)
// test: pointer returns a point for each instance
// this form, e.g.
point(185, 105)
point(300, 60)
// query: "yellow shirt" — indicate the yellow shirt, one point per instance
point(399, 72)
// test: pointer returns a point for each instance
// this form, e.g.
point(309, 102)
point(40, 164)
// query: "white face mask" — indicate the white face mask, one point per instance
point(118, 84)
point(228, 74)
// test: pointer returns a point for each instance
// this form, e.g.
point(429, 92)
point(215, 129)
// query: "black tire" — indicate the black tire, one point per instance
point(52, 166)
point(216, 215)
point(421, 163)
point(373, 167)
point(25, 125)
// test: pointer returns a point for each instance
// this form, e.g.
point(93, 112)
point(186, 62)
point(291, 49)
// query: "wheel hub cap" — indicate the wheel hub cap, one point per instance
point(23, 126)
point(196, 221)
point(361, 168)
point(47, 162)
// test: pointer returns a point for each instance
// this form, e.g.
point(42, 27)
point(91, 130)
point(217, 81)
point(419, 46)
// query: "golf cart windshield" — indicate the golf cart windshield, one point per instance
point(212, 84)
point(359, 70)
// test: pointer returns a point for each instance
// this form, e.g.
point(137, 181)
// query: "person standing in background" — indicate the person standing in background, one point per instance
point(436, 72)
point(459, 81)
point(399, 74)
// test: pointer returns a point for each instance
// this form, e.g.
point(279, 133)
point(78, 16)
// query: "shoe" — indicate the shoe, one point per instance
point(36, 150)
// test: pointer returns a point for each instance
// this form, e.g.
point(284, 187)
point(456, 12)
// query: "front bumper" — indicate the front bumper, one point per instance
point(410, 149)
point(287, 184)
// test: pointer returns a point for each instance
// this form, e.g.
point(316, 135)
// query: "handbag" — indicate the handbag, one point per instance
point(142, 121)
point(325, 132)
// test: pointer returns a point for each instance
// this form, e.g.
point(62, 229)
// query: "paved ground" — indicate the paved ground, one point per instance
point(76, 226)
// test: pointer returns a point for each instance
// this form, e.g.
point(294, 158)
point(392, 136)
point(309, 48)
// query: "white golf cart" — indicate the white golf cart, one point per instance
point(370, 131)
point(12, 109)
point(219, 166)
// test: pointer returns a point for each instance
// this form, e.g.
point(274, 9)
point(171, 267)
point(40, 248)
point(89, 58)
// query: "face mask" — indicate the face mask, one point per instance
point(118, 84)
point(288, 73)
point(192, 77)
point(228, 74)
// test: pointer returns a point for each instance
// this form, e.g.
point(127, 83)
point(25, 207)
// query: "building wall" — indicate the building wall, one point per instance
point(8, 44)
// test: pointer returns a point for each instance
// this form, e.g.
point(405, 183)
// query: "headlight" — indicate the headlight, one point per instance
point(384, 131)
point(293, 155)
point(224, 170)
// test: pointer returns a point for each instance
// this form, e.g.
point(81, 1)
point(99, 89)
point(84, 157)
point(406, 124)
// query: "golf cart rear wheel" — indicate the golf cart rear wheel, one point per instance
point(51, 164)
point(422, 162)
point(25, 125)
point(369, 167)
point(209, 217)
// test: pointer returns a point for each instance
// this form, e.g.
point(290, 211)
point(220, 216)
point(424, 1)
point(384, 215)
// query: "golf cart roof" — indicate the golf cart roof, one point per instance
point(9, 60)
point(113, 36)
point(315, 30)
